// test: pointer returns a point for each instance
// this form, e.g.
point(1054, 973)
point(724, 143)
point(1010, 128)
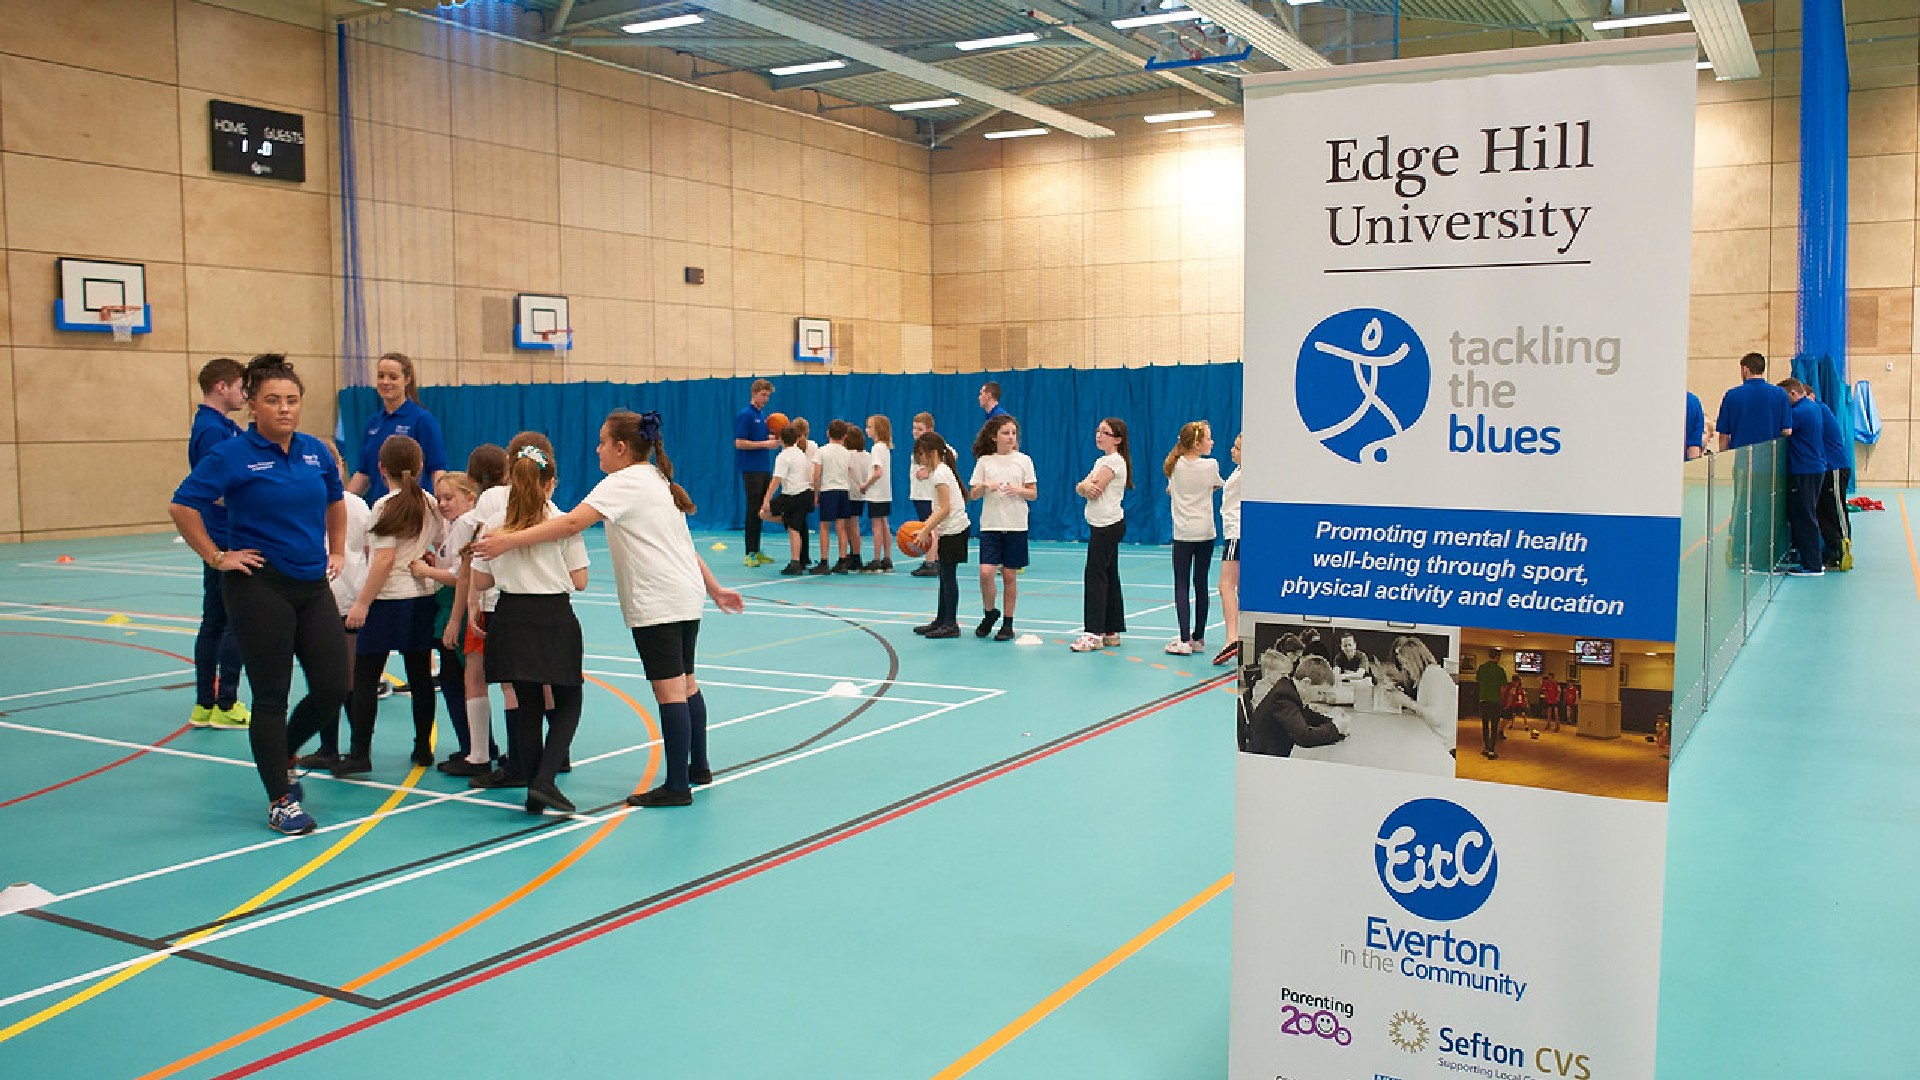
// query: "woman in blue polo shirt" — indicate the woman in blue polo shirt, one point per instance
point(400, 414)
point(287, 531)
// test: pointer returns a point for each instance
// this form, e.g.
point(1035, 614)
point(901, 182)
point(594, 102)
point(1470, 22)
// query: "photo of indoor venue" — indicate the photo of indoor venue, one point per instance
point(1586, 715)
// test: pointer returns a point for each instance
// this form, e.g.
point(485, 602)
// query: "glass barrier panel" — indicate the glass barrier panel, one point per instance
point(1700, 574)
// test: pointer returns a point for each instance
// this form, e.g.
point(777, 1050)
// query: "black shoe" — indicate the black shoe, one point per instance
point(457, 755)
point(662, 796)
point(701, 777)
point(1006, 631)
point(819, 568)
point(986, 622)
point(463, 767)
point(947, 630)
point(351, 765)
point(404, 688)
point(844, 565)
point(422, 756)
point(926, 570)
point(794, 568)
point(541, 798)
point(496, 778)
point(319, 759)
point(854, 564)
point(884, 566)
point(927, 629)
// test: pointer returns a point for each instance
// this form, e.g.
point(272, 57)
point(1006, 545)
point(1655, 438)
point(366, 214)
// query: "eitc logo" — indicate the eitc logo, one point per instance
point(1435, 859)
point(1362, 379)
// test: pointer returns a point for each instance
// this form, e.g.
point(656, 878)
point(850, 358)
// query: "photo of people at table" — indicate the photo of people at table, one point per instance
point(1358, 693)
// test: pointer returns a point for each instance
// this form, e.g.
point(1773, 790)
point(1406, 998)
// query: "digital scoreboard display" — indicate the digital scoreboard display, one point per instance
point(258, 142)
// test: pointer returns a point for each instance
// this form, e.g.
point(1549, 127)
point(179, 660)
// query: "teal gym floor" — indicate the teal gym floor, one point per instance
point(921, 859)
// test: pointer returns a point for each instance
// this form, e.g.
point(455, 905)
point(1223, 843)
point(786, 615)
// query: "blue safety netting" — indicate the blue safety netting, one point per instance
point(1058, 410)
point(1820, 361)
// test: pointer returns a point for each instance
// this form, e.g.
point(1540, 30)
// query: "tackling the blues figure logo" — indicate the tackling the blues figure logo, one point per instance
point(1362, 380)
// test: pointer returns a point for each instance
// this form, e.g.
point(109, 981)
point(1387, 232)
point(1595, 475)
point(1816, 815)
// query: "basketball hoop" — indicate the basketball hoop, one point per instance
point(123, 319)
point(559, 339)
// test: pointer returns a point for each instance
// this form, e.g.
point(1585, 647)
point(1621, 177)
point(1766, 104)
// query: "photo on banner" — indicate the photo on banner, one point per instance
point(1466, 330)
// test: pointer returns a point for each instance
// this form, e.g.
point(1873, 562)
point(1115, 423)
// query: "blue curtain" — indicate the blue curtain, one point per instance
point(1058, 410)
point(1821, 359)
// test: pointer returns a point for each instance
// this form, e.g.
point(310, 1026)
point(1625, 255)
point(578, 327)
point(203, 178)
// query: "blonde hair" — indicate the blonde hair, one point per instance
point(459, 481)
point(1190, 434)
point(883, 428)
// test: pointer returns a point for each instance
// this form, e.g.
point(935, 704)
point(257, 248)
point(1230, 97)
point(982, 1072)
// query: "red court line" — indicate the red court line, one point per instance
point(670, 903)
point(181, 730)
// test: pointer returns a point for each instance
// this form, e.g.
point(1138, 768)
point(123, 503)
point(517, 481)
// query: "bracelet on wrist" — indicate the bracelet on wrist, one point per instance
point(218, 554)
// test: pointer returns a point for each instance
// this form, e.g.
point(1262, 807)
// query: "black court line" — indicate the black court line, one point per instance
point(291, 982)
point(1454, 266)
point(893, 671)
point(851, 824)
point(94, 697)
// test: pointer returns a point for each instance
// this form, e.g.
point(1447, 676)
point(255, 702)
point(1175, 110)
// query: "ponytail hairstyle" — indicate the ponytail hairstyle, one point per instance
point(405, 514)
point(984, 444)
point(406, 370)
point(487, 466)
point(801, 428)
point(640, 434)
point(1190, 434)
point(1123, 445)
point(854, 438)
point(932, 445)
point(268, 367)
point(530, 469)
point(883, 429)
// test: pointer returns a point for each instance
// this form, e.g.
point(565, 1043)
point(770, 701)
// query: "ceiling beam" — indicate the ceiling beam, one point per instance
point(852, 48)
point(932, 54)
point(1099, 34)
point(1262, 33)
point(1071, 67)
point(1722, 30)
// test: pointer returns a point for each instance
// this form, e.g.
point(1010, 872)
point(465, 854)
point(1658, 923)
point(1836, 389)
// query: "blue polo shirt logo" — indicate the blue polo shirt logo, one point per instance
point(1362, 380)
point(259, 466)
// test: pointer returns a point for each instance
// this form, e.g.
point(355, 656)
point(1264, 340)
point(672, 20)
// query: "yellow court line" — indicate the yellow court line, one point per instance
point(1913, 558)
point(654, 760)
point(278, 887)
point(973, 1058)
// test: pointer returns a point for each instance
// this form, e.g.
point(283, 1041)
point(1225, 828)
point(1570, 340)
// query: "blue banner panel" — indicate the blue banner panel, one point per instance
point(1588, 575)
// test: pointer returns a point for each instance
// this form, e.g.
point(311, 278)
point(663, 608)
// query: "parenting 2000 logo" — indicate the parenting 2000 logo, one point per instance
point(1362, 379)
point(1436, 859)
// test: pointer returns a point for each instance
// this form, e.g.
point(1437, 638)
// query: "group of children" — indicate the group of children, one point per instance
point(851, 474)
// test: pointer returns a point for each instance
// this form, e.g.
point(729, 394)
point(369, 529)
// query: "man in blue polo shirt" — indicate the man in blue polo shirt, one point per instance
point(1696, 443)
point(753, 447)
point(1806, 468)
point(1833, 487)
point(1753, 411)
point(990, 400)
point(216, 654)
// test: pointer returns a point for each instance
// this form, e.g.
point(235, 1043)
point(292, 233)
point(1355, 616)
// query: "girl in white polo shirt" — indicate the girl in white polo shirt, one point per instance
point(920, 491)
point(1230, 561)
point(876, 488)
point(947, 523)
point(859, 468)
point(1004, 482)
point(533, 638)
point(1192, 478)
point(1105, 486)
point(662, 581)
point(394, 612)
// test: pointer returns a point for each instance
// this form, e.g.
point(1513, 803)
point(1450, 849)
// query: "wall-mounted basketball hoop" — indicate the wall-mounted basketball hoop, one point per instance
point(813, 341)
point(102, 297)
point(542, 322)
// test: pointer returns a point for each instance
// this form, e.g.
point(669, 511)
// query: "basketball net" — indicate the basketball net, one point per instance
point(561, 338)
point(122, 319)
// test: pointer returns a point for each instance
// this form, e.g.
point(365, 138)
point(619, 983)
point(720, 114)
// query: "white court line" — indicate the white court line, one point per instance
point(701, 666)
point(195, 619)
point(247, 926)
point(1147, 611)
point(106, 570)
point(97, 685)
point(622, 751)
point(193, 755)
point(9, 616)
point(777, 689)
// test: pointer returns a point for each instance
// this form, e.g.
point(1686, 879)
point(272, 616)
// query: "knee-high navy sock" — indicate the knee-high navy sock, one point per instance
point(676, 731)
point(697, 709)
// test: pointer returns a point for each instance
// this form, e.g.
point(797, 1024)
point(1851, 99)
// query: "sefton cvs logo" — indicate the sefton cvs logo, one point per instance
point(1435, 859)
point(1362, 379)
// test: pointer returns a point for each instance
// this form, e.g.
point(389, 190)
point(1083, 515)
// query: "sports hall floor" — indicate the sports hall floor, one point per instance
point(921, 859)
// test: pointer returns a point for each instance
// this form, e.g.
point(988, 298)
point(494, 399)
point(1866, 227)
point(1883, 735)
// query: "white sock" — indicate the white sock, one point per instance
point(479, 730)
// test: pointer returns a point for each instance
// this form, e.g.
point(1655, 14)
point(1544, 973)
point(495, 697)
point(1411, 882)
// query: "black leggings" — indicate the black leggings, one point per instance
point(756, 484)
point(278, 619)
point(562, 721)
point(1105, 614)
point(453, 691)
point(365, 708)
point(1191, 561)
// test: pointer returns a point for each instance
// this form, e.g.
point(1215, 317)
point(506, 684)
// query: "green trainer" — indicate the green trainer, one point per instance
point(202, 716)
point(236, 717)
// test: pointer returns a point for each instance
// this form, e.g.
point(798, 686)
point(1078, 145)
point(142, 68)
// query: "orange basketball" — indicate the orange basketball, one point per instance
point(912, 539)
point(776, 423)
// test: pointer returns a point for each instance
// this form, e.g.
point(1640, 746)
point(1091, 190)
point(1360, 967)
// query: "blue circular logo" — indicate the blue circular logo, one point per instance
point(1435, 859)
point(1362, 378)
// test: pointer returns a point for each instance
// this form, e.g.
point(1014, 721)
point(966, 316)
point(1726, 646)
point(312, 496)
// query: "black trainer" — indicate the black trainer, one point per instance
point(1006, 631)
point(820, 567)
point(946, 630)
point(351, 765)
point(660, 797)
point(927, 629)
point(926, 570)
point(496, 778)
point(700, 777)
point(541, 798)
point(986, 622)
point(319, 759)
point(794, 568)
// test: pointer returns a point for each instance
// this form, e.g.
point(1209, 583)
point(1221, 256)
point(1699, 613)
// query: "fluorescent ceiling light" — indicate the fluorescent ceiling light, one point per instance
point(1704, 65)
point(1168, 118)
point(1154, 20)
point(1303, 3)
point(1195, 127)
point(802, 69)
point(996, 42)
point(1016, 133)
point(932, 103)
point(662, 24)
point(1642, 20)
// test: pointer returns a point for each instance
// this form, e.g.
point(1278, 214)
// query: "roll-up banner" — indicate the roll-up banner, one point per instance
point(1466, 298)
